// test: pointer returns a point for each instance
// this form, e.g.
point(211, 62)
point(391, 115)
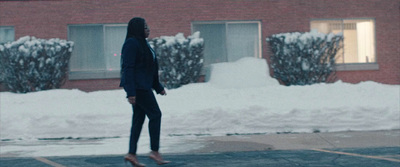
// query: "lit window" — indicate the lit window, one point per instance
point(358, 42)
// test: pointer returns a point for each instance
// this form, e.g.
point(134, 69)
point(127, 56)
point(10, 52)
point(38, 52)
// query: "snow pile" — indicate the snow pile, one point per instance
point(180, 58)
point(31, 64)
point(223, 106)
point(244, 73)
point(304, 58)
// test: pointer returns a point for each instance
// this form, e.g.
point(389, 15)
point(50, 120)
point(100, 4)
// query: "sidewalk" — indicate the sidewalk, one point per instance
point(304, 141)
point(363, 149)
point(275, 158)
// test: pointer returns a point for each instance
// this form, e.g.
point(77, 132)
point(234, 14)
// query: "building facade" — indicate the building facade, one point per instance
point(231, 29)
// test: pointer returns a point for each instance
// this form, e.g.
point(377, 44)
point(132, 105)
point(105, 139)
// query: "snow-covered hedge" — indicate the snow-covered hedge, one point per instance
point(31, 64)
point(180, 58)
point(304, 58)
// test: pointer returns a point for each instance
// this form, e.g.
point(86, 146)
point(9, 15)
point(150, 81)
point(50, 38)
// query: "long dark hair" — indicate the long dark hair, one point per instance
point(136, 30)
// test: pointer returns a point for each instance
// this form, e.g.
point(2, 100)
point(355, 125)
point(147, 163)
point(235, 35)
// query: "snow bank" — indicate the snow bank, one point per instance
point(238, 101)
point(244, 73)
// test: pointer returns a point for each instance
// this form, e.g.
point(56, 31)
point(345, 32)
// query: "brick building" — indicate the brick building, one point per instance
point(371, 29)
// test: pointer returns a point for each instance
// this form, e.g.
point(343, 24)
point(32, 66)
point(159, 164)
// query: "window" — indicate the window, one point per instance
point(359, 38)
point(229, 41)
point(97, 50)
point(7, 34)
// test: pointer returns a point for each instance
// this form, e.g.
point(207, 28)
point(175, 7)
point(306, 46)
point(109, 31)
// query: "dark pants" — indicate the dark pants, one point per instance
point(146, 104)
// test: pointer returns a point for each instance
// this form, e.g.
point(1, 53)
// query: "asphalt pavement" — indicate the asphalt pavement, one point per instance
point(342, 149)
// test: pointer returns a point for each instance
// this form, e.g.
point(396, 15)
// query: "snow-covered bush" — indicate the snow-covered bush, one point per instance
point(304, 58)
point(180, 58)
point(31, 64)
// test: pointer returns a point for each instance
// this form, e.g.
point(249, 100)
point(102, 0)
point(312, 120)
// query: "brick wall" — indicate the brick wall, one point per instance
point(49, 19)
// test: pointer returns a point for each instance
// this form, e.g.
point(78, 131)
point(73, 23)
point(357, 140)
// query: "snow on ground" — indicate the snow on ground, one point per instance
point(240, 98)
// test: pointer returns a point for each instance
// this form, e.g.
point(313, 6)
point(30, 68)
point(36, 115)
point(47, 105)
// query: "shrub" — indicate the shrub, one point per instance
point(304, 58)
point(31, 64)
point(180, 58)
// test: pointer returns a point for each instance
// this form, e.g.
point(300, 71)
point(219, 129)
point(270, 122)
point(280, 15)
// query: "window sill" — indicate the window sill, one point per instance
point(357, 67)
point(81, 75)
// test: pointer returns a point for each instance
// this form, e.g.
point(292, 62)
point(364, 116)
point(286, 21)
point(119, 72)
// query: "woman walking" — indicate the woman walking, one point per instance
point(139, 76)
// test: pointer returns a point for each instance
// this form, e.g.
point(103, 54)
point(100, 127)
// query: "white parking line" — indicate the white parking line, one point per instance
point(357, 155)
point(46, 161)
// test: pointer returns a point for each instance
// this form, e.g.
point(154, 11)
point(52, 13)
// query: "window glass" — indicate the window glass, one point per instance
point(365, 41)
point(214, 36)
point(6, 34)
point(242, 40)
point(114, 39)
point(87, 54)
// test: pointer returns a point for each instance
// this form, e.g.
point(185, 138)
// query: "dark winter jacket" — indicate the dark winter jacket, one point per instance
point(136, 72)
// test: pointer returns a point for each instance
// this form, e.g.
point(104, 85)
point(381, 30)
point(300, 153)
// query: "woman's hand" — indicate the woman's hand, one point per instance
point(132, 100)
point(163, 92)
